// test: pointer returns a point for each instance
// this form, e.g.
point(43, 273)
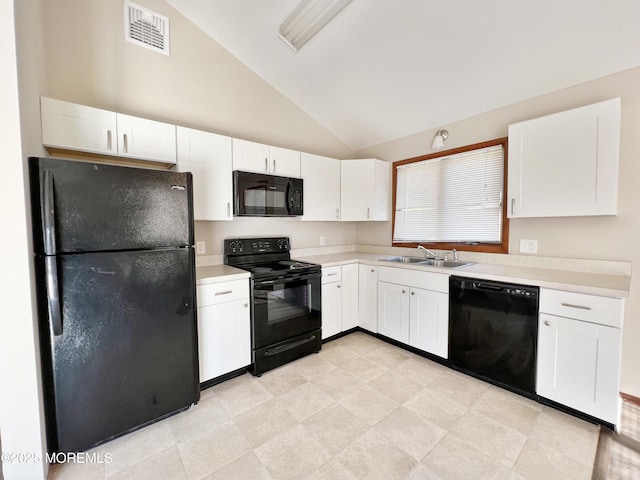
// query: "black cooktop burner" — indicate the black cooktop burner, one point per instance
point(264, 257)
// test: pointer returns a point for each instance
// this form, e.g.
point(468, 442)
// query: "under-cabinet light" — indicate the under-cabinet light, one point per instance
point(307, 20)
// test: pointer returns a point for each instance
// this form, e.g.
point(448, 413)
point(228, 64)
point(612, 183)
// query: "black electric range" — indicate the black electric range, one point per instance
point(286, 303)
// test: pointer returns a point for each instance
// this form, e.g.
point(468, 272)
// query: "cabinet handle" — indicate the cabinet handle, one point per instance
point(245, 305)
point(337, 213)
point(126, 143)
point(513, 206)
point(547, 323)
point(372, 270)
point(228, 209)
point(581, 307)
point(413, 293)
point(404, 291)
point(108, 139)
point(266, 164)
point(274, 165)
point(332, 274)
point(226, 292)
point(368, 213)
point(338, 286)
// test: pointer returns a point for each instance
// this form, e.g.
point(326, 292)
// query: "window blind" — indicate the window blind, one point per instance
point(455, 199)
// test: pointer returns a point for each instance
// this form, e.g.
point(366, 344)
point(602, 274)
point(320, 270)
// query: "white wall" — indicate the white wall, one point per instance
point(606, 238)
point(21, 414)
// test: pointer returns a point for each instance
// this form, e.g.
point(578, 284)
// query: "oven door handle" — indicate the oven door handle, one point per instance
point(287, 279)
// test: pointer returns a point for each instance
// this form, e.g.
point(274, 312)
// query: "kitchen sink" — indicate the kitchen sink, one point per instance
point(404, 259)
point(430, 262)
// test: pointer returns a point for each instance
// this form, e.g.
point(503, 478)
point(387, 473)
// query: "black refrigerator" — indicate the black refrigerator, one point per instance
point(116, 297)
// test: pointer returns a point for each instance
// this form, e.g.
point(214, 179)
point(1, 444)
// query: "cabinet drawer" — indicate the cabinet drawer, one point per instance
point(214, 293)
point(590, 308)
point(331, 274)
point(438, 282)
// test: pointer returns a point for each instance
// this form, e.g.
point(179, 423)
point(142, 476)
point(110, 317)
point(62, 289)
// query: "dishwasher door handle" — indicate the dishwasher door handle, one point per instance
point(487, 286)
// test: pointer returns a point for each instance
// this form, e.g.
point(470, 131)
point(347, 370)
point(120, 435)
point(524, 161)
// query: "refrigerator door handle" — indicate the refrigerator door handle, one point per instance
point(53, 297)
point(48, 213)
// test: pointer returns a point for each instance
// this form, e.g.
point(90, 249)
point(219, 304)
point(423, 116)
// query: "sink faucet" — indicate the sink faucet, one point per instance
point(455, 255)
point(428, 253)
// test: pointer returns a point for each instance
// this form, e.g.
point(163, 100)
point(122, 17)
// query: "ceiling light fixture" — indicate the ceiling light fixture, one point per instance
point(438, 140)
point(307, 20)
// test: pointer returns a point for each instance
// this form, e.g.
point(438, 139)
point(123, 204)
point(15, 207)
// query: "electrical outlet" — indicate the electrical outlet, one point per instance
point(528, 246)
point(200, 247)
point(321, 241)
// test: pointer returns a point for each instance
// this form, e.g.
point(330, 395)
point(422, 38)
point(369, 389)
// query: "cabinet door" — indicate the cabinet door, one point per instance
point(565, 164)
point(77, 127)
point(146, 139)
point(250, 156)
point(349, 296)
point(224, 339)
point(331, 309)
point(429, 321)
point(382, 192)
point(393, 311)
point(578, 365)
point(364, 190)
point(357, 180)
point(368, 297)
point(284, 162)
point(321, 177)
point(208, 157)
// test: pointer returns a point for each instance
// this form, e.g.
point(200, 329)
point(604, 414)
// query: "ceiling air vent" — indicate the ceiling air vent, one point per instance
point(146, 28)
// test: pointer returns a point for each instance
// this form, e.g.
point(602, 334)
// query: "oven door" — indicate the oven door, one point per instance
point(285, 307)
point(261, 195)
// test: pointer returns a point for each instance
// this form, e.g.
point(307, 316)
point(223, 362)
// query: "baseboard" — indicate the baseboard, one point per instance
point(630, 398)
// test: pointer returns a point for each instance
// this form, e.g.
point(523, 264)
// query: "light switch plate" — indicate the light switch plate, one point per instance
point(528, 246)
point(321, 241)
point(200, 247)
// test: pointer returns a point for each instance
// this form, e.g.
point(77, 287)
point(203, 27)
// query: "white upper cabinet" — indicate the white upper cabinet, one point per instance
point(146, 139)
point(74, 127)
point(565, 164)
point(208, 157)
point(77, 127)
point(259, 158)
point(364, 190)
point(321, 177)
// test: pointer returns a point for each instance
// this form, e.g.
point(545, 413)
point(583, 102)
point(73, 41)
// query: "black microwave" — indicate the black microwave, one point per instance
point(259, 195)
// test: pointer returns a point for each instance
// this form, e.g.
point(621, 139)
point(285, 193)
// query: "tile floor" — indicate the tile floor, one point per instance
point(360, 409)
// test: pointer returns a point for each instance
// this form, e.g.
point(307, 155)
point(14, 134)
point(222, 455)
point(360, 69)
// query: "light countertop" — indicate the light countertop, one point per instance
point(219, 273)
point(590, 283)
point(607, 285)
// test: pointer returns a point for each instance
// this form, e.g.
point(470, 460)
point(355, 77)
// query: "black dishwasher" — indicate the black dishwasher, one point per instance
point(493, 331)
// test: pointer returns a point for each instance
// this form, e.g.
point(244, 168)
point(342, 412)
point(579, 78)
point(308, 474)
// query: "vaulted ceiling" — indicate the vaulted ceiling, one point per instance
point(384, 69)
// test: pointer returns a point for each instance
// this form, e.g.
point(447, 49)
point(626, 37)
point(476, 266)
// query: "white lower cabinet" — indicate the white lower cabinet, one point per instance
point(429, 321)
point(339, 299)
point(579, 357)
point(349, 296)
point(393, 311)
point(224, 333)
point(368, 297)
point(413, 308)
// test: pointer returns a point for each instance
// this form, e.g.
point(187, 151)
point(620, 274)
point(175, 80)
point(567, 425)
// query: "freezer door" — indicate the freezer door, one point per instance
point(127, 353)
point(86, 207)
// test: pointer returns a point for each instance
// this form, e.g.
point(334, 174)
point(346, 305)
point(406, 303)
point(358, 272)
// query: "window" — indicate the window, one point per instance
point(453, 199)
